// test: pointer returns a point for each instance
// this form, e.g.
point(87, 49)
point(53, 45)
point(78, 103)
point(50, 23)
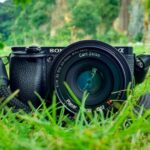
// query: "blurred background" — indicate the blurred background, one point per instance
point(61, 22)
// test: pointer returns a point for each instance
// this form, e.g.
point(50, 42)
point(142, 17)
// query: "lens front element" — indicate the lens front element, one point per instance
point(89, 81)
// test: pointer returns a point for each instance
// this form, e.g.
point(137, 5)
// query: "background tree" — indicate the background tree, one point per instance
point(136, 24)
point(146, 37)
point(124, 15)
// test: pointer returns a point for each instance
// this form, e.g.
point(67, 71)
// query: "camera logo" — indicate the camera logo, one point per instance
point(121, 50)
point(55, 50)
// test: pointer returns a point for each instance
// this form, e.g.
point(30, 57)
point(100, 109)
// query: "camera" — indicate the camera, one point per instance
point(103, 71)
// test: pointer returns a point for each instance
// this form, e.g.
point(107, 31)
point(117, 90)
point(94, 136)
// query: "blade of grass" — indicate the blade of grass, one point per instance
point(76, 100)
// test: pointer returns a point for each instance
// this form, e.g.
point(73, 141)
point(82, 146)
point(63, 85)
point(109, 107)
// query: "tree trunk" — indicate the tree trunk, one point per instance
point(146, 37)
point(124, 15)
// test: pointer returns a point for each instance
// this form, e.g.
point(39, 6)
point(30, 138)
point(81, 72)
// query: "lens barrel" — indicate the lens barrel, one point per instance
point(94, 67)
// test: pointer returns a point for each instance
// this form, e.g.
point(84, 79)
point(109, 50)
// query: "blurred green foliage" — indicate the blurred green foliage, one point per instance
point(85, 16)
point(60, 22)
point(22, 2)
point(147, 5)
point(32, 23)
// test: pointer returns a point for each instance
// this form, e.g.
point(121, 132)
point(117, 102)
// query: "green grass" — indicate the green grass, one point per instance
point(43, 129)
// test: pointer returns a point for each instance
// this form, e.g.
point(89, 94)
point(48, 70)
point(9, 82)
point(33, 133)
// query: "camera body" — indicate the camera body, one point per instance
point(41, 70)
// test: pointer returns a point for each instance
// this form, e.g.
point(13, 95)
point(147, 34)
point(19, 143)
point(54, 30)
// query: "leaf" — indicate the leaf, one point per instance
point(1, 45)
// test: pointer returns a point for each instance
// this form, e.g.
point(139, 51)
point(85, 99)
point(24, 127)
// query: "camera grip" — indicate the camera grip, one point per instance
point(28, 74)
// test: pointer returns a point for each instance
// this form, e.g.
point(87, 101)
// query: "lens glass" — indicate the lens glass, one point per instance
point(89, 80)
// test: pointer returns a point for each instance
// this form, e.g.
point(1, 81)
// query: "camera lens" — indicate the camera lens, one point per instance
point(86, 75)
point(91, 66)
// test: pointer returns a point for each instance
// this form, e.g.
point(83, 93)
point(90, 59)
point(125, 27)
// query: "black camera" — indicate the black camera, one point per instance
point(103, 71)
